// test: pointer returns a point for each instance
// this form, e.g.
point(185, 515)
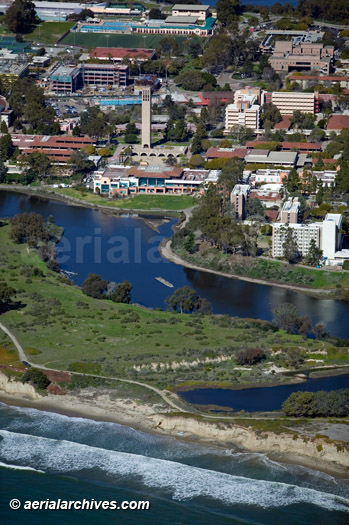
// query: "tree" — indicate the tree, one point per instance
point(3, 172)
point(6, 147)
point(314, 254)
point(184, 299)
point(320, 331)
point(300, 404)
point(196, 161)
point(249, 356)
point(271, 114)
point(38, 162)
point(194, 47)
point(122, 293)
point(254, 208)
point(156, 14)
point(80, 162)
point(228, 10)
point(3, 127)
point(36, 377)
point(94, 286)
point(6, 293)
point(28, 227)
point(292, 182)
point(21, 16)
point(285, 317)
point(290, 246)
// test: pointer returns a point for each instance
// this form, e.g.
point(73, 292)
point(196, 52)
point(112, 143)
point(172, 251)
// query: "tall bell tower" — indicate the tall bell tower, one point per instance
point(146, 117)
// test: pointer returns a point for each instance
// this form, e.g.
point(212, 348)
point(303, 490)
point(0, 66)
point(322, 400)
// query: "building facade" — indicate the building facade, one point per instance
point(304, 56)
point(238, 199)
point(245, 111)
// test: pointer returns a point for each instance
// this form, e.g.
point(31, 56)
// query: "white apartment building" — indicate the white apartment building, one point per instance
point(302, 233)
point(326, 234)
point(263, 176)
point(288, 102)
point(244, 112)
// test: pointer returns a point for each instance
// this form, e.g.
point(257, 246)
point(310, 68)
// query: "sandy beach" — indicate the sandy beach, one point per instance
point(158, 419)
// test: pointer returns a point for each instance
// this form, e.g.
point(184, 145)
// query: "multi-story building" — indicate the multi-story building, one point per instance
point(327, 236)
point(10, 72)
point(57, 148)
point(290, 211)
point(238, 198)
point(199, 11)
point(105, 74)
point(65, 79)
point(264, 176)
point(288, 56)
point(287, 101)
point(118, 54)
point(245, 111)
point(302, 233)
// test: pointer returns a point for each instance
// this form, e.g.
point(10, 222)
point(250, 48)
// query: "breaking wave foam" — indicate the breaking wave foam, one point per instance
point(182, 481)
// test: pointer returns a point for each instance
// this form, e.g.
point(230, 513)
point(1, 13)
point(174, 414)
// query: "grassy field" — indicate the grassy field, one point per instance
point(65, 329)
point(49, 32)
point(92, 40)
point(138, 202)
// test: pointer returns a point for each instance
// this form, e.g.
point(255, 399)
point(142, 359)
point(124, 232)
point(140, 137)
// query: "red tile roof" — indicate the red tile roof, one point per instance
point(285, 123)
point(325, 161)
point(306, 146)
point(328, 77)
point(271, 215)
point(215, 153)
point(338, 122)
point(121, 52)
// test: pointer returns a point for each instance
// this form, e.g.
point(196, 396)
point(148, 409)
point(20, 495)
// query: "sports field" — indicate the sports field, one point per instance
point(92, 40)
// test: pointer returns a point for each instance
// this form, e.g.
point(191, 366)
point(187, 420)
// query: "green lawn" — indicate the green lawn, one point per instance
point(92, 40)
point(66, 329)
point(49, 32)
point(139, 202)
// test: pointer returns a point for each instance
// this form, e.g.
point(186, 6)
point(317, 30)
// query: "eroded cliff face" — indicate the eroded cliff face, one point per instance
point(11, 386)
point(258, 441)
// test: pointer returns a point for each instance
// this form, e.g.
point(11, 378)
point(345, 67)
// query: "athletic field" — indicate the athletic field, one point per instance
point(92, 40)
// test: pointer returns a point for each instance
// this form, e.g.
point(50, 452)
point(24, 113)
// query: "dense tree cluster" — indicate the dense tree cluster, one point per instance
point(28, 227)
point(21, 16)
point(286, 317)
point(337, 11)
point(249, 356)
point(99, 288)
point(317, 404)
point(28, 104)
point(6, 293)
point(36, 377)
point(187, 300)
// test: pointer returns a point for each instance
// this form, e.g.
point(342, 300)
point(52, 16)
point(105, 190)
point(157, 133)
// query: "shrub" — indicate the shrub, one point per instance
point(249, 356)
point(36, 377)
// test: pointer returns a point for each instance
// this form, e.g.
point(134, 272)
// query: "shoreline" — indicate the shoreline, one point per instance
point(165, 245)
point(156, 213)
point(166, 252)
point(144, 419)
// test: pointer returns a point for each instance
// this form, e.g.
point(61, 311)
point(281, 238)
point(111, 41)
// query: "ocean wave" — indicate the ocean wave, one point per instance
point(20, 467)
point(184, 482)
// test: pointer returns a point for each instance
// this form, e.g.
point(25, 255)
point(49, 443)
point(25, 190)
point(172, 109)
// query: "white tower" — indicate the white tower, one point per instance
point(146, 117)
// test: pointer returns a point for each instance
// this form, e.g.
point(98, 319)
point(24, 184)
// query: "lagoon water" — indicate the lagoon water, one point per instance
point(126, 247)
point(45, 455)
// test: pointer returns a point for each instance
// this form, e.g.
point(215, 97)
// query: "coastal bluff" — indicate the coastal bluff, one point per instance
point(13, 387)
point(319, 448)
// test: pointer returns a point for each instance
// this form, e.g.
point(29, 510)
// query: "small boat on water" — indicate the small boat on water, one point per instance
point(163, 281)
point(68, 273)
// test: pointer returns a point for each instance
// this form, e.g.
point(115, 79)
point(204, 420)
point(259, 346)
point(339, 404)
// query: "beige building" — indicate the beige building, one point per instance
point(199, 11)
point(146, 117)
point(245, 111)
point(305, 56)
point(238, 198)
point(288, 102)
point(290, 211)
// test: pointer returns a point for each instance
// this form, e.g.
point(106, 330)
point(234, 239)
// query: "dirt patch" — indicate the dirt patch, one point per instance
point(57, 377)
